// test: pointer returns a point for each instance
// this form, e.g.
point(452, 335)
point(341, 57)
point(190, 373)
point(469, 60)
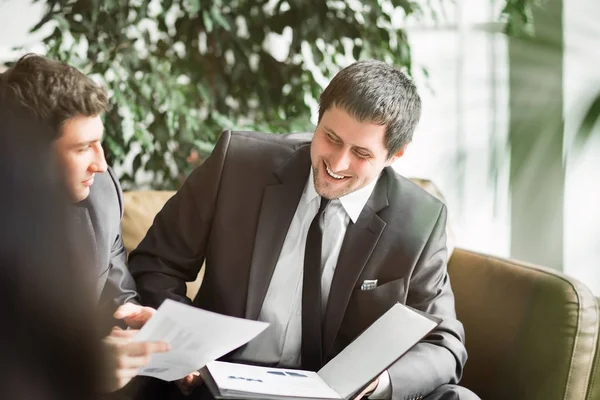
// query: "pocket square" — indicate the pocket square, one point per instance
point(369, 284)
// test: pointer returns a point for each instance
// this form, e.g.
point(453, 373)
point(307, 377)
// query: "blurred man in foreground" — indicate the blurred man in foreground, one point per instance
point(49, 345)
point(67, 106)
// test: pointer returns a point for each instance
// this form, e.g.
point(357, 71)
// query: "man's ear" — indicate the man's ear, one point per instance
point(397, 155)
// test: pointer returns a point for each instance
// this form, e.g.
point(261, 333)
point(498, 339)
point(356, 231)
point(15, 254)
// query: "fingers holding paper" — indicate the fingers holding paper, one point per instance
point(135, 316)
point(125, 358)
point(368, 390)
point(189, 383)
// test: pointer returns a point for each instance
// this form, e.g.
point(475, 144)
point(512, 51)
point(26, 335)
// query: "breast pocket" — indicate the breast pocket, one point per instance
point(365, 306)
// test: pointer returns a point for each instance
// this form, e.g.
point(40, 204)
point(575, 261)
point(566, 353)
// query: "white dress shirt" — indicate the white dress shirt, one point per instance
point(280, 343)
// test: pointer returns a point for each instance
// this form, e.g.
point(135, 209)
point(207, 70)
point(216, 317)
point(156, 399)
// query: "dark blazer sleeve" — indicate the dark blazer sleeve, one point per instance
point(174, 248)
point(439, 358)
point(120, 286)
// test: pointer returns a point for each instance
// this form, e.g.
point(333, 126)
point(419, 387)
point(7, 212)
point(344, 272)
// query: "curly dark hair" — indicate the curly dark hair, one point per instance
point(51, 91)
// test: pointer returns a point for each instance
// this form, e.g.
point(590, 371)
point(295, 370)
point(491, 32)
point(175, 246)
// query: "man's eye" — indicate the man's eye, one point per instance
point(332, 139)
point(362, 155)
point(84, 148)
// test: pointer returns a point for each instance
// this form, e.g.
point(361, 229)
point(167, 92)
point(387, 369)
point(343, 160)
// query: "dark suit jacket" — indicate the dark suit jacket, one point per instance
point(234, 212)
point(100, 217)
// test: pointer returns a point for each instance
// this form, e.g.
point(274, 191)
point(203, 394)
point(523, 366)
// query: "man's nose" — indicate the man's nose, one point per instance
point(340, 161)
point(99, 165)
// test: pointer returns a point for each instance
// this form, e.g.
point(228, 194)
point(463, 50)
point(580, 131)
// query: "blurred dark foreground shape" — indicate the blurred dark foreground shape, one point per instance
point(48, 345)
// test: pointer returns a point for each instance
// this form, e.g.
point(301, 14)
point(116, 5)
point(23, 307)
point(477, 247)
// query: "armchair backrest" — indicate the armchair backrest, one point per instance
point(531, 333)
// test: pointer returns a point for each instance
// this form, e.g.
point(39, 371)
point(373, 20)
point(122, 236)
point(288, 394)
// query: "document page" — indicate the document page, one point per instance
point(248, 381)
point(379, 346)
point(195, 337)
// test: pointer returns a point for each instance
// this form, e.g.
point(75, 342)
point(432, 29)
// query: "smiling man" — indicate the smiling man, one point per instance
point(317, 235)
point(351, 159)
point(69, 104)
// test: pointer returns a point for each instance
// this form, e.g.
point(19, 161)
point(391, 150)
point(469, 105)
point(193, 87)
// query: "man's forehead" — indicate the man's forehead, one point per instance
point(82, 130)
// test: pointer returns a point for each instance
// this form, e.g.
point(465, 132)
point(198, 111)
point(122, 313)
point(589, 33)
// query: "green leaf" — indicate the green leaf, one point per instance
point(137, 162)
point(194, 6)
point(46, 18)
point(208, 23)
point(591, 118)
point(356, 50)
point(204, 146)
point(220, 19)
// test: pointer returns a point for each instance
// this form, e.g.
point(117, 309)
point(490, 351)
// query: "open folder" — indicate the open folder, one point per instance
point(378, 347)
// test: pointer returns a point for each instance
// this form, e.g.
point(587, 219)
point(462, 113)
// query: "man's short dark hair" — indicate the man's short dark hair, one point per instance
point(376, 92)
point(51, 91)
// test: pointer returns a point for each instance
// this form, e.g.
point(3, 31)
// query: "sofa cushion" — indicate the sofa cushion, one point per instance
point(140, 209)
point(531, 333)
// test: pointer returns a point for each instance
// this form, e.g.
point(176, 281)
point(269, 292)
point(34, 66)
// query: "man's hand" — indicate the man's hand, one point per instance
point(368, 390)
point(125, 358)
point(189, 383)
point(133, 315)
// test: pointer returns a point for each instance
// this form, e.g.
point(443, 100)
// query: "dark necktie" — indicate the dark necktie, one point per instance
point(311, 354)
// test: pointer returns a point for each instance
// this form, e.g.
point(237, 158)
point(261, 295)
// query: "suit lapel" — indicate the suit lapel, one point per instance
point(359, 242)
point(279, 205)
point(84, 221)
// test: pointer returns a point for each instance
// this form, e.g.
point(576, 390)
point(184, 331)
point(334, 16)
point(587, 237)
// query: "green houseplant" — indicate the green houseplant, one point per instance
point(180, 71)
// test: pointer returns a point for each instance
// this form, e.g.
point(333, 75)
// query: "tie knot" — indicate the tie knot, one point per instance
point(322, 205)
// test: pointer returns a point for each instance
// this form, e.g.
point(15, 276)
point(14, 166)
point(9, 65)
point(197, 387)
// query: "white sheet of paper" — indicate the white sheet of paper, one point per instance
point(269, 381)
point(195, 337)
point(394, 333)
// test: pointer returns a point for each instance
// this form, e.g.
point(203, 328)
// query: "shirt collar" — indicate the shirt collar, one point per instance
point(353, 203)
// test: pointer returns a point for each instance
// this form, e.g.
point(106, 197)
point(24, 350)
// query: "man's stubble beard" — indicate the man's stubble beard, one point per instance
point(321, 188)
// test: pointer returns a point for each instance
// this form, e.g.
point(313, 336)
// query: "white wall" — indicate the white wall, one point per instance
point(17, 17)
point(460, 141)
point(464, 126)
point(582, 192)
